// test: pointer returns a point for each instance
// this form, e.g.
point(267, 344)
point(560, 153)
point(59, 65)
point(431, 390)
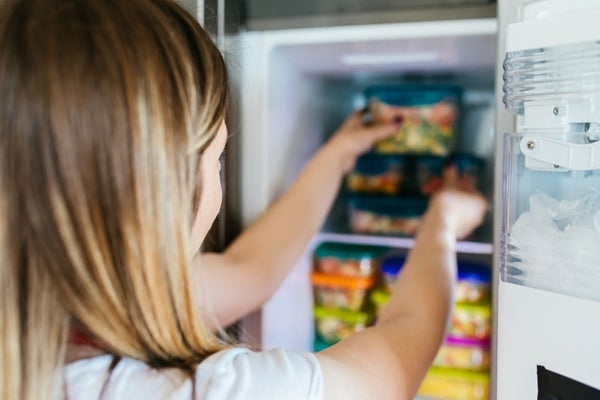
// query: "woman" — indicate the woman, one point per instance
point(111, 132)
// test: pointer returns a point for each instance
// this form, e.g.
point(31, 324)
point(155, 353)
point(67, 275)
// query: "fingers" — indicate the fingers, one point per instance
point(450, 176)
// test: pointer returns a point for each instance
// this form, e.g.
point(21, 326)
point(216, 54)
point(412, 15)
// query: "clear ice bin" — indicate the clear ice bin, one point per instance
point(550, 227)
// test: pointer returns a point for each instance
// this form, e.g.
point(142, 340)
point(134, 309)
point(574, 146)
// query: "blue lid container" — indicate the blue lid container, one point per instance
point(414, 94)
point(385, 215)
point(473, 272)
point(473, 283)
point(377, 174)
point(392, 265)
point(390, 268)
point(429, 116)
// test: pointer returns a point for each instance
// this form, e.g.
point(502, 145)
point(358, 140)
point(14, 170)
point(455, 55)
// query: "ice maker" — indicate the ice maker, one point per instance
point(549, 286)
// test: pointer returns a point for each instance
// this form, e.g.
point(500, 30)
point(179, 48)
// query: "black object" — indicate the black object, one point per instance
point(553, 386)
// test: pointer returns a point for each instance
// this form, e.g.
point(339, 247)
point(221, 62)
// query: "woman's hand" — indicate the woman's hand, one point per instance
point(354, 138)
point(458, 204)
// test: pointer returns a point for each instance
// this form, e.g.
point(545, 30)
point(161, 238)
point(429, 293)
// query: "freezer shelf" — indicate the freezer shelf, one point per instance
point(402, 242)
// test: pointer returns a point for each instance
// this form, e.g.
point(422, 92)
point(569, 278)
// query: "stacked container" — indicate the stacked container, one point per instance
point(460, 369)
point(342, 278)
point(388, 189)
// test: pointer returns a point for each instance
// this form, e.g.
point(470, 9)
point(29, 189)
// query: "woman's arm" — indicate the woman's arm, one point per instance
point(389, 360)
point(243, 277)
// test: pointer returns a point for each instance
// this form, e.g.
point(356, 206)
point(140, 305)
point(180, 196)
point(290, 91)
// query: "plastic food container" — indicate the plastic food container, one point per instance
point(473, 283)
point(455, 384)
point(390, 268)
point(429, 174)
point(348, 259)
point(379, 298)
point(385, 215)
point(344, 292)
point(429, 115)
point(470, 168)
point(470, 321)
point(463, 353)
point(376, 173)
point(333, 325)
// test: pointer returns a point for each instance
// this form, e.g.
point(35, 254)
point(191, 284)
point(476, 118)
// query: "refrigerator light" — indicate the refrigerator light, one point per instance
point(388, 58)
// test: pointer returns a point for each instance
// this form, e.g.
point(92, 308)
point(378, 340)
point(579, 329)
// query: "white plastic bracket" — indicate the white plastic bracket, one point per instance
point(550, 154)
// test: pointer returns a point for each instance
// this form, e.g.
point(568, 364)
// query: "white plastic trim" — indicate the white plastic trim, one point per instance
point(560, 154)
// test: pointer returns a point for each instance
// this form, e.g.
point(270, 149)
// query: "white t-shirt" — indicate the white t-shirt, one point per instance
point(235, 373)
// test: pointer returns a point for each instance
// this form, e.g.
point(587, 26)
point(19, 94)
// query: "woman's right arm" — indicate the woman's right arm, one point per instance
point(390, 359)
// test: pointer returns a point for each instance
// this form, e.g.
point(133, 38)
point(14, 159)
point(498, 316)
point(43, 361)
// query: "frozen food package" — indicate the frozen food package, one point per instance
point(338, 291)
point(348, 259)
point(385, 215)
point(428, 115)
point(333, 325)
point(377, 174)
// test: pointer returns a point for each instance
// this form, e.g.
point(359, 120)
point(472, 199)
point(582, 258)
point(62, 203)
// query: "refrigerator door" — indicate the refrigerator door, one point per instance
point(548, 307)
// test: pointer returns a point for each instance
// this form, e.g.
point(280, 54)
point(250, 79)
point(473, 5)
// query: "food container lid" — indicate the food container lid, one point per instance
point(413, 94)
point(392, 265)
point(431, 160)
point(467, 342)
point(349, 250)
point(376, 163)
point(380, 296)
point(466, 162)
point(352, 317)
point(459, 374)
point(470, 271)
point(393, 206)
point(346, 282)
point(481, 309)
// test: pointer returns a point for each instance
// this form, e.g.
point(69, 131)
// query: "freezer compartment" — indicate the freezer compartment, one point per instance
point(551, 226)
point(296, 87)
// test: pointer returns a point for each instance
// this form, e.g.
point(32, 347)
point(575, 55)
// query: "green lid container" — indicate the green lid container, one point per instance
point(348, 259)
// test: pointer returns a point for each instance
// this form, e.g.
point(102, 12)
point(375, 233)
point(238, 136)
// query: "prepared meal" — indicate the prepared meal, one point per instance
point(379, 298)
point(390, 268)
point(428, 112)
point(348, 259)
point(455, 384)
point(333, 325)
point(337, 291)
point(463, 353)
point(470, 169)
point(473, 283)
point(376, 173)
point(385, 215)
point(429, 174)
point(470, 321)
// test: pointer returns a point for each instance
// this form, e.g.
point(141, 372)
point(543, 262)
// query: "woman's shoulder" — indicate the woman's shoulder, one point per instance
point(234, 373)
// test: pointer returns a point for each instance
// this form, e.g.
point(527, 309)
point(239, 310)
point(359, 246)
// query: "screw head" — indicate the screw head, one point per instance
point(531, 145)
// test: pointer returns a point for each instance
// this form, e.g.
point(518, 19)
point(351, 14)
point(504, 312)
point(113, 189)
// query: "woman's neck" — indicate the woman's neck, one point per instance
point(81, 344)
point(76, 352)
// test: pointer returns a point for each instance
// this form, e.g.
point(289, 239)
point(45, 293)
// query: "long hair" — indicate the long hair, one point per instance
point(106, 108)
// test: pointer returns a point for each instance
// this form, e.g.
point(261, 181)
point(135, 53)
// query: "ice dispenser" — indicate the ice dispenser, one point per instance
point(549, 287)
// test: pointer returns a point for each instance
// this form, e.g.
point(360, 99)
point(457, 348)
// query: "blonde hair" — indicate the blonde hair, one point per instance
point(106, 106)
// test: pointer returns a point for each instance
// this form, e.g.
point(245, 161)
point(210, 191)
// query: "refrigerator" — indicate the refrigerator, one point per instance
point(529, 79)
point(294, 87)
point(547, 220)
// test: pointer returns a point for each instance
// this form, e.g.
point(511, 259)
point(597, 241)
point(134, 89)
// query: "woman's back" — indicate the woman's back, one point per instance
point(236, 373)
